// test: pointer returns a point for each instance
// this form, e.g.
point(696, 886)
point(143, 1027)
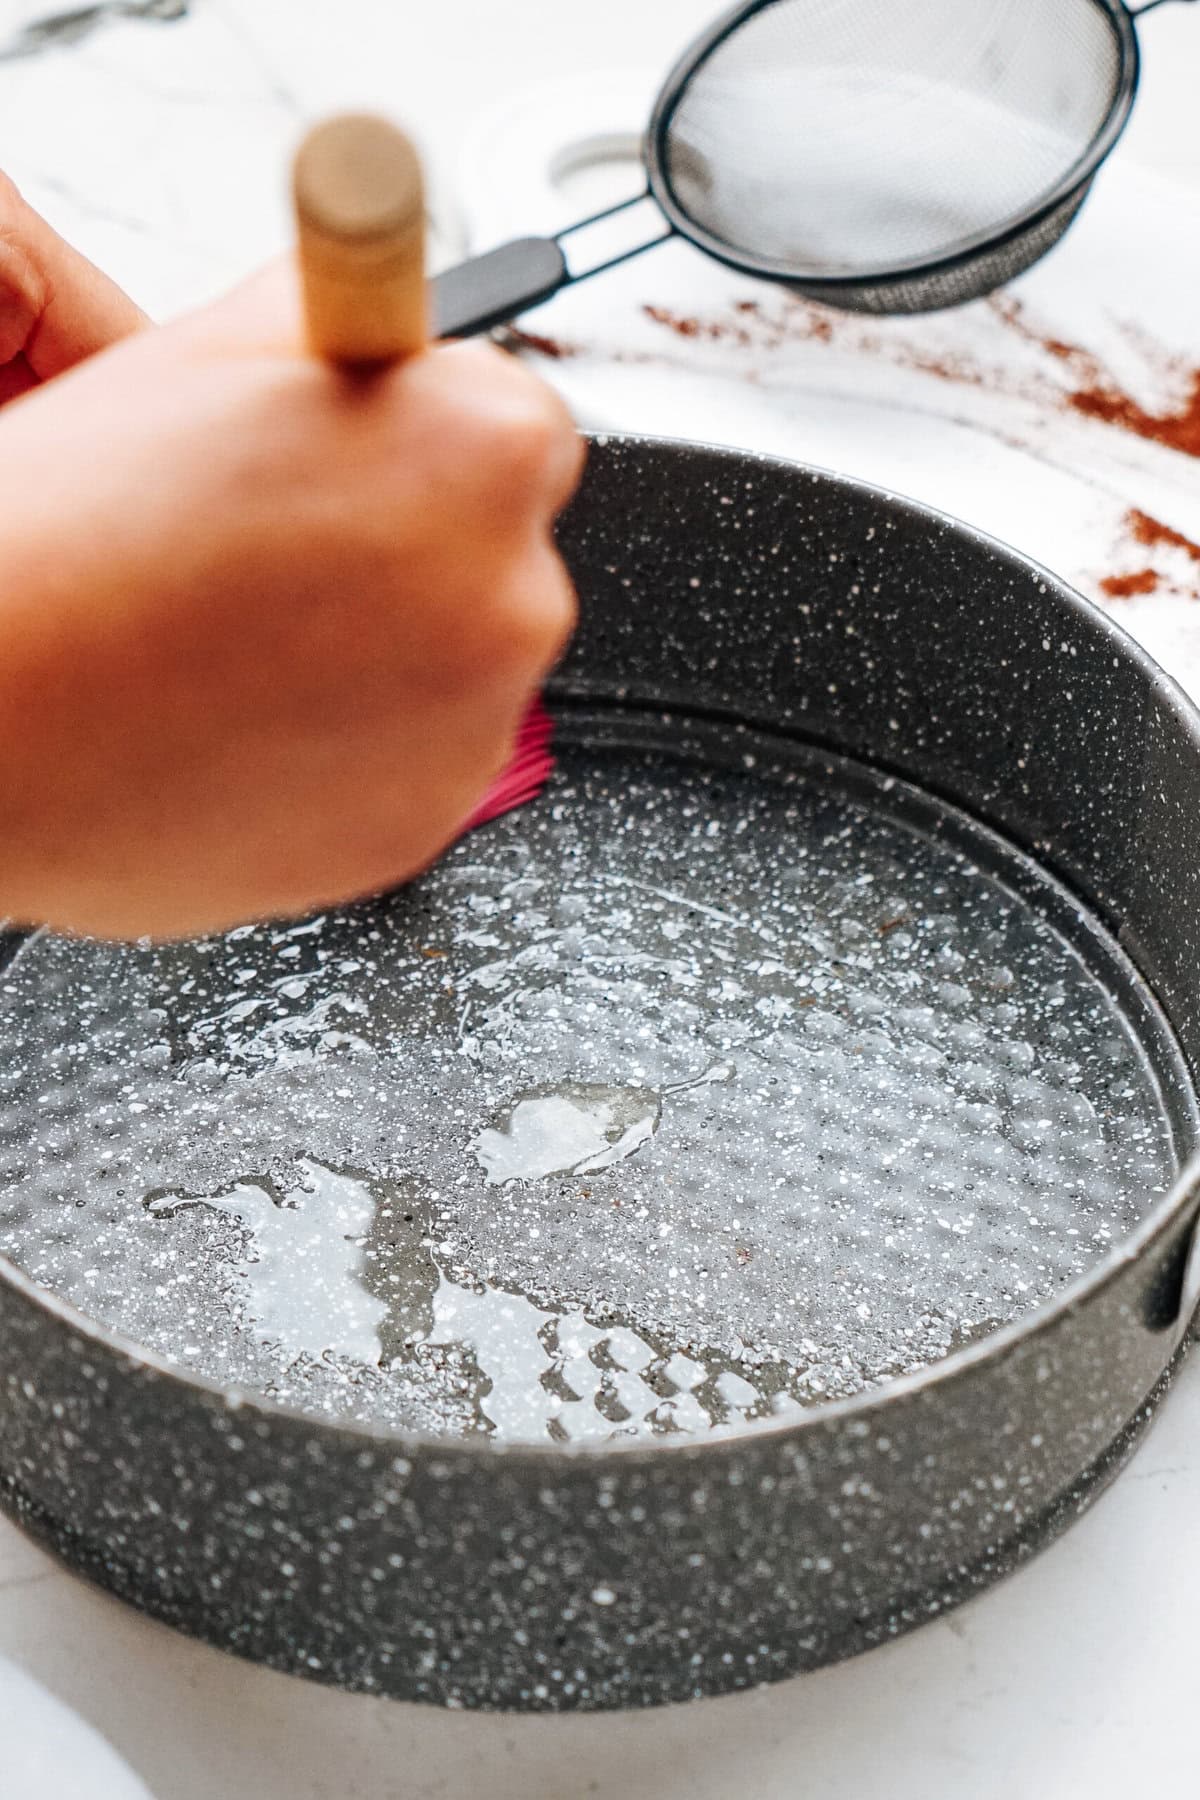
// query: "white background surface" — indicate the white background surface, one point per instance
point(160, 148)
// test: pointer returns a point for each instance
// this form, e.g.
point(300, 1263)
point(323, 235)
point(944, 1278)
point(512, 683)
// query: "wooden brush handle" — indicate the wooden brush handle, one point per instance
point(360, 217)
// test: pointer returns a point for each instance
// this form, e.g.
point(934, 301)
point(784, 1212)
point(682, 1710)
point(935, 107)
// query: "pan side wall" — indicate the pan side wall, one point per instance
point(554, 1582)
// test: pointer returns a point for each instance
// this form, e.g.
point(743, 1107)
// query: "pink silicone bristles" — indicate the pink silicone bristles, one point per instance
point(527, 772)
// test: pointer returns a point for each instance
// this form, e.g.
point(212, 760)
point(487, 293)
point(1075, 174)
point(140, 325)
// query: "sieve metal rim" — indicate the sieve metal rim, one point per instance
point(1076, 178)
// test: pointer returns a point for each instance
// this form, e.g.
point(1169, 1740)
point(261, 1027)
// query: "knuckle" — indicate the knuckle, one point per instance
point(531, 614)
point(523, 433)
point(519, 432)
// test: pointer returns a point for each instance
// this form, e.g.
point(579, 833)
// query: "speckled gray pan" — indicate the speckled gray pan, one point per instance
point(726, 1213)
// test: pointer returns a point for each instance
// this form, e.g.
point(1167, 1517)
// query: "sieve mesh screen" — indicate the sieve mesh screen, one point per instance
point(845, 138)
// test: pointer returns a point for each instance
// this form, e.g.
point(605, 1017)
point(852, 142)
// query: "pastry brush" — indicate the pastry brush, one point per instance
point(360, 214)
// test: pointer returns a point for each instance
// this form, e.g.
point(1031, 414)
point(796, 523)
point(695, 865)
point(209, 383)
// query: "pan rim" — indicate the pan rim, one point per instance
point(1165, 1216)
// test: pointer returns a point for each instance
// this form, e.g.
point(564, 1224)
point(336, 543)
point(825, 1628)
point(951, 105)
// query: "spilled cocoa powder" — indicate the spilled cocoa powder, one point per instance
point(1178, 429)
point(766, 326)
point(758, 326)
point(1141, 528)
point(1094, 392)
point(812, 321)
point(720, 330)
point(544, 346)
point(682, 327)
point(1098, 394)
point(1123, 587)
point(1152, 531)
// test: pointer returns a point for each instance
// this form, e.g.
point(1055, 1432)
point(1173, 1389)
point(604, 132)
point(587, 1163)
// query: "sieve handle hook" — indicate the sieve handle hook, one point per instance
point(491, 289)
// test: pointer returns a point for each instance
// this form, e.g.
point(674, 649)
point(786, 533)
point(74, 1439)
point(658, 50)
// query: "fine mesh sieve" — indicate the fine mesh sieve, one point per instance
point(877, 157)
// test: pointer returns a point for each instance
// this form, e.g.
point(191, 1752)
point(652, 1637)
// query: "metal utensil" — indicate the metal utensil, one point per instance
point(882, 159)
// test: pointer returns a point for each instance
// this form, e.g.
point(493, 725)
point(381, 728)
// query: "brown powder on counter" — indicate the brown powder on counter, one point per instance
point(1142, 528)
point(1091, 389)
point(1121, 587)
point(722, 330)
point(755, 325)
point(759, 327)
point(1012, 313)
point(1178, 429)
point(1152, 531)
point(817, 324)
point(1100, 397)
point(544, 346)
point(680, 326)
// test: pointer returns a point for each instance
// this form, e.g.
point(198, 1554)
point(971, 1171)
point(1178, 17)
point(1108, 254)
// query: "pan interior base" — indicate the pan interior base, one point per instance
point(725, 1078)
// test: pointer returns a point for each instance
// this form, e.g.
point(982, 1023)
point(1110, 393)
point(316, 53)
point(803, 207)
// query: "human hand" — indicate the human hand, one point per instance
point(266, 630)
point(56, 308)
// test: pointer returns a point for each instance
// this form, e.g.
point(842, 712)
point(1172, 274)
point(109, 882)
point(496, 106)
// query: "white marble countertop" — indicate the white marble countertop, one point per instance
point(159, 146)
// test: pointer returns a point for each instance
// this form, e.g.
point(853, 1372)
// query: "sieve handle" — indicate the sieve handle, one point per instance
point(498, 286)
point(493, 288)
